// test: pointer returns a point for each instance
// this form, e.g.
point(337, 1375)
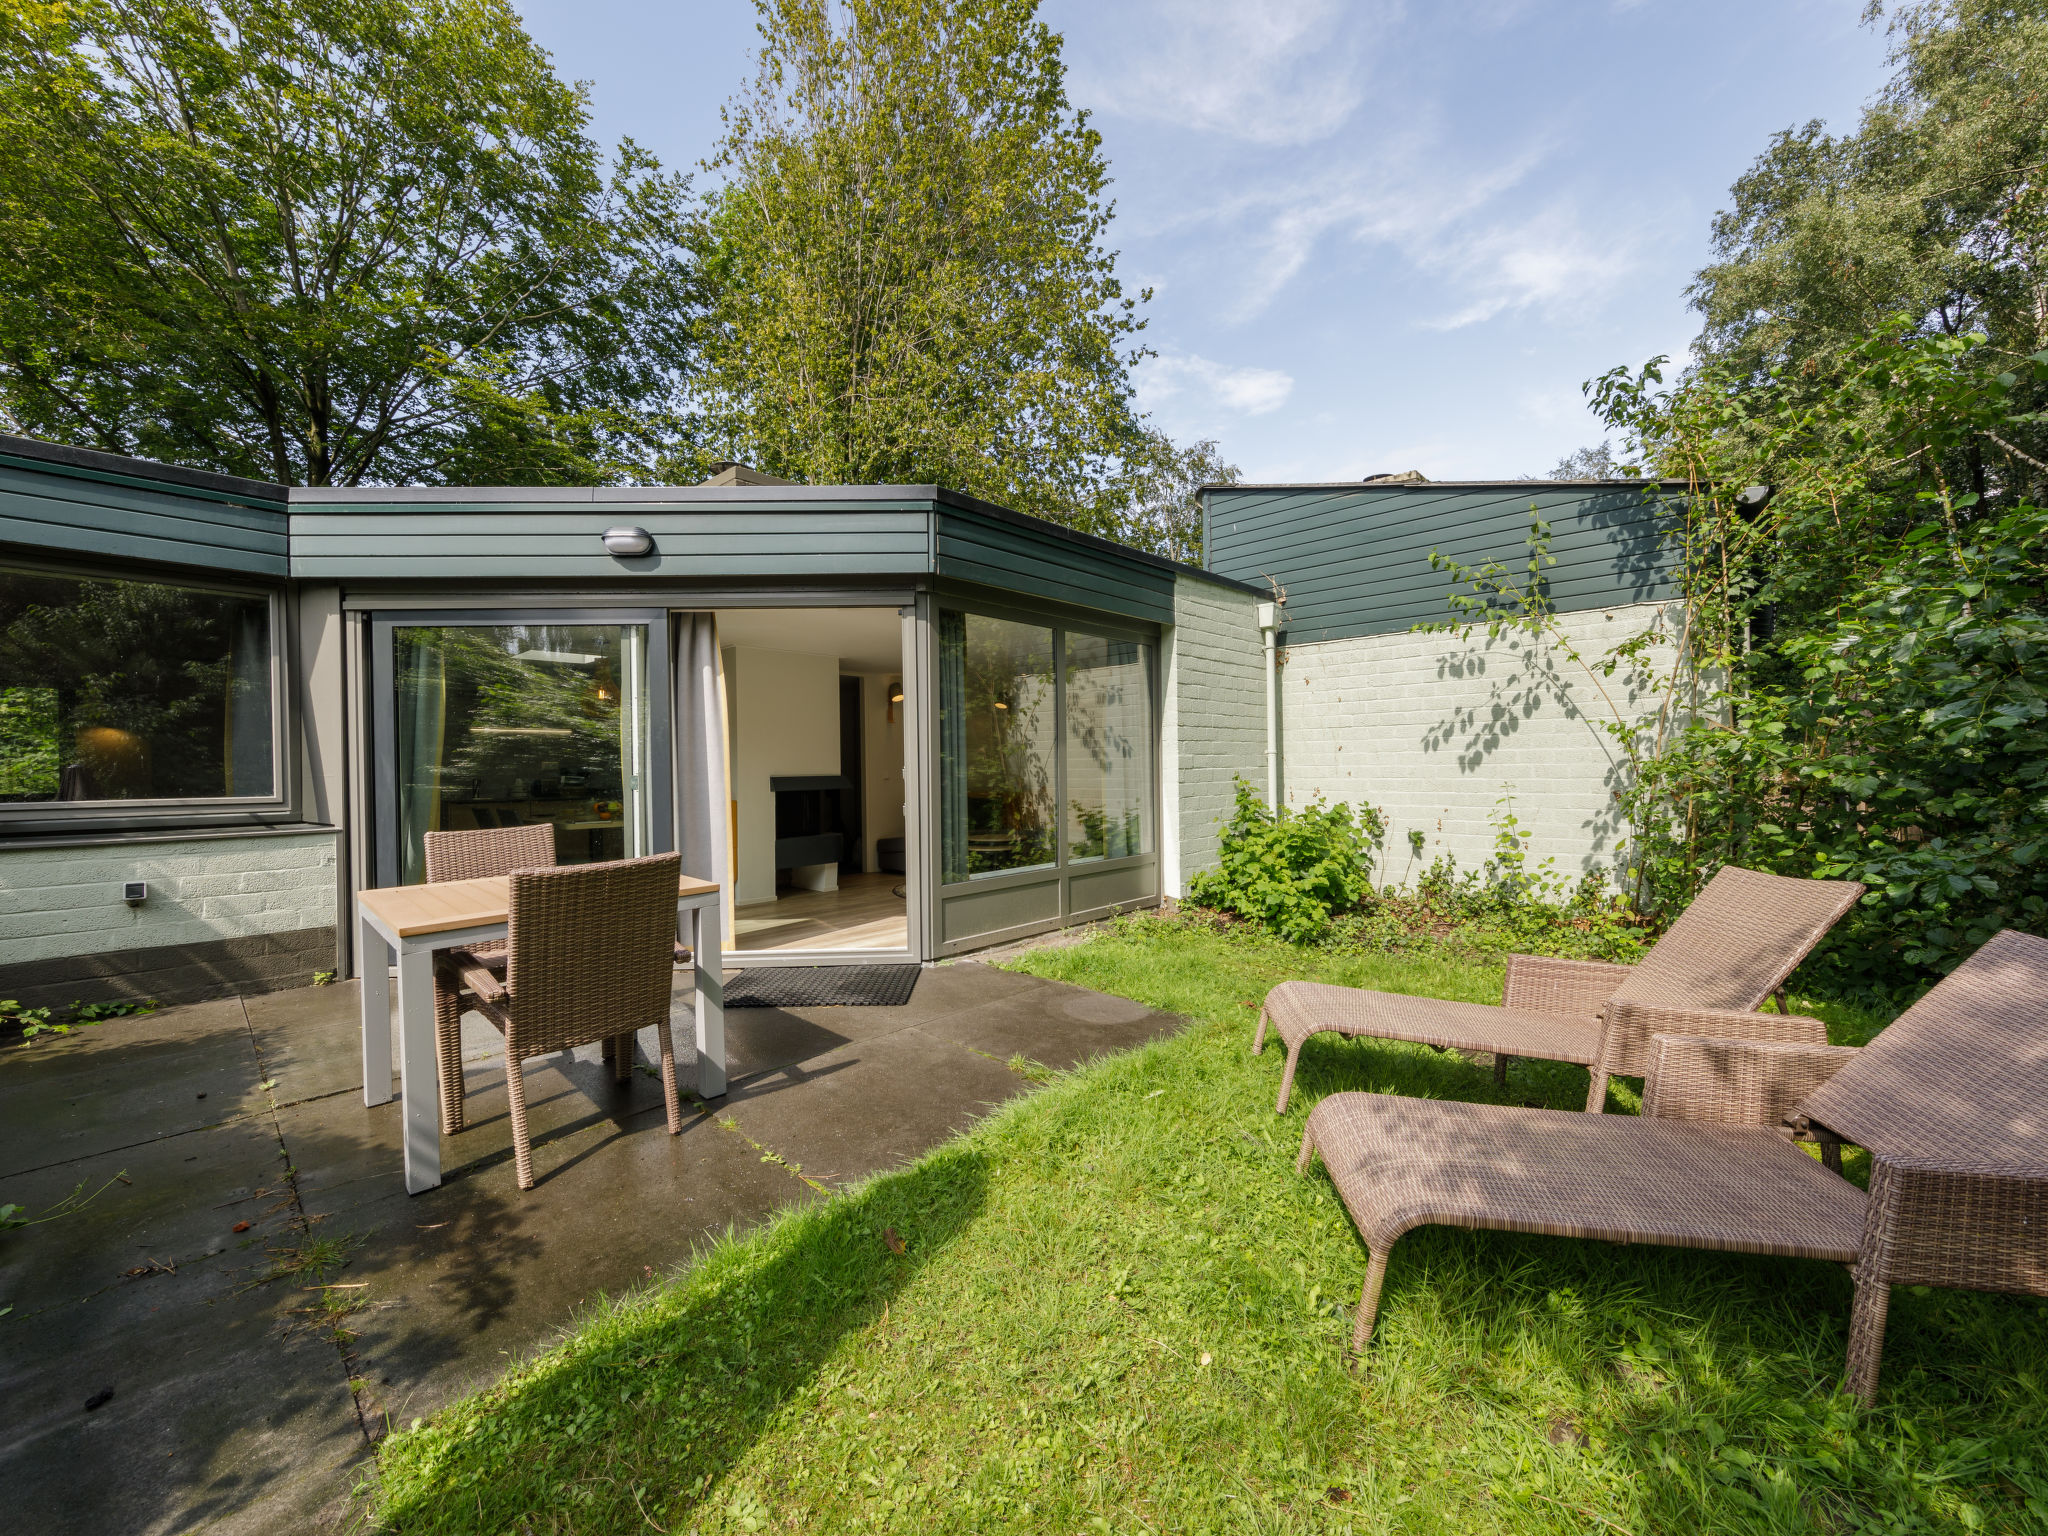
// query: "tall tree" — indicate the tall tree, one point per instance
point(906, 263)
point(327, 242)
point(1932, 213)
point(1165, 513)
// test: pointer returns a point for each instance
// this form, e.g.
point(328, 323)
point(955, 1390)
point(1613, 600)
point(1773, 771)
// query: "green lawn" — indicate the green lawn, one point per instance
point(1117, 1308)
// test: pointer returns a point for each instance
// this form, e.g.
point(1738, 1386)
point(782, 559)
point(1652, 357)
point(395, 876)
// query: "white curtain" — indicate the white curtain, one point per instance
point(703, 798)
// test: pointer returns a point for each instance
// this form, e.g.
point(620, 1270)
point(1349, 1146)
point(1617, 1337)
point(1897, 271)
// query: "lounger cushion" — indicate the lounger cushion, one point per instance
point(1401, 1163)
point(1298, 1009)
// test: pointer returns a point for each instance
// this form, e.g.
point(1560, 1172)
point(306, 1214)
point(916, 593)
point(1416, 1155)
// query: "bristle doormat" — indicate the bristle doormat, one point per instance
point(822, 986)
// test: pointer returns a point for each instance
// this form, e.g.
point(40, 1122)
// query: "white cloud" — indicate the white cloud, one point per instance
point(1548, 262)
point(1275, 72)
point(1199, 386)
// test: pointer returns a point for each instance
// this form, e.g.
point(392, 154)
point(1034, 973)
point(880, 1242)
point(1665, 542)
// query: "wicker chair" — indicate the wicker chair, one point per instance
point(588, 957)
point(473, 856)
point(1732, 948)
point(1947, 1100)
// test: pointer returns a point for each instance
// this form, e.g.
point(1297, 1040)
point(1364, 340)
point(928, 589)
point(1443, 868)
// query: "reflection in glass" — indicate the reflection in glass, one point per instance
point(507, 725)
point(1109, 748)
point(997, 729)
point(132, 690)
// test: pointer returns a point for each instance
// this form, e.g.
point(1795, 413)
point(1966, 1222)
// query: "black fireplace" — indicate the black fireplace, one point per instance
point(810, 819)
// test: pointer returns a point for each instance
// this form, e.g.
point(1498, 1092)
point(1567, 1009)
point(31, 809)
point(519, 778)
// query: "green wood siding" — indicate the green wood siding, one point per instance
point(64, 509)
point(511, 540)
point(1355, 559)
point(1023, 557)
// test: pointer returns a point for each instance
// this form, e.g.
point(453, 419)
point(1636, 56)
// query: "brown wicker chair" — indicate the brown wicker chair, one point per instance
point(1732, 948)
point(1948, 1100)
point(473, 856)
point(589, 954)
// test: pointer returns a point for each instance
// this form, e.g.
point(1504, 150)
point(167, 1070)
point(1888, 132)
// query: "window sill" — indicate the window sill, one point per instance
point(22, 841)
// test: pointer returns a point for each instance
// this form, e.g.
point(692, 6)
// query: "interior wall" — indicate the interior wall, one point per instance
point(785, 721)
point(881, 765)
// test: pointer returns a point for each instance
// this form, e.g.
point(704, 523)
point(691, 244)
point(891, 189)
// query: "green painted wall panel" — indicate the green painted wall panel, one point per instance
point(598, 568)
point(506, 543)
point(1355, 559)
point(62, 511)
point(1024, 559)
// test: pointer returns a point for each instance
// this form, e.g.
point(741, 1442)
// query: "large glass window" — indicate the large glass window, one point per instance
point(117, 690)
point(500, 725)
point(998, 732)
point(1044, 736)
point(1108, 748)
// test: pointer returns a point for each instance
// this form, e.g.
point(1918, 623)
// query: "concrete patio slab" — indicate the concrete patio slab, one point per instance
point(236, 1404)
point(126, 1082)
point(870, 1105)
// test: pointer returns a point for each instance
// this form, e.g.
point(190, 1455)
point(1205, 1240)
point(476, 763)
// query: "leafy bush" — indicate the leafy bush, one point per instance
point(1908, 750)
point(1289, 871)
point(1503, 906)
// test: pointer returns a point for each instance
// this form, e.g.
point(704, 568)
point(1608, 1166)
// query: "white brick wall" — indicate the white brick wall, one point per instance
point(67, 901)
point(1434, 730)
point(1215, 720)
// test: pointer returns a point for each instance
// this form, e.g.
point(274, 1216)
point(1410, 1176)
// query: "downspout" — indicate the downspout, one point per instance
point(1269, 622)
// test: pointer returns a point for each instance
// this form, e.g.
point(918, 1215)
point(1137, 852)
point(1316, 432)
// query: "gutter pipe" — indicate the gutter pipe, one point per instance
point(1269, 622)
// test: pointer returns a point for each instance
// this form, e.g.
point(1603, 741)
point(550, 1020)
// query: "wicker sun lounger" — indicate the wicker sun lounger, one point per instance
point(1949, 1100)
point(1709, 973)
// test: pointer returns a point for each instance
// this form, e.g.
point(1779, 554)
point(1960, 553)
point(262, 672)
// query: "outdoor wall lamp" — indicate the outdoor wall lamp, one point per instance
point(628, 541)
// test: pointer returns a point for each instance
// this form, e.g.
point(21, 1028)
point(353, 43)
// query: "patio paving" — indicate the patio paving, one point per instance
point(234, 1407)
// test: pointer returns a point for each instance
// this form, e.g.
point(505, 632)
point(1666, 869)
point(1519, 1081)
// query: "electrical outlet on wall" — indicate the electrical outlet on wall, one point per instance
point(135, 892)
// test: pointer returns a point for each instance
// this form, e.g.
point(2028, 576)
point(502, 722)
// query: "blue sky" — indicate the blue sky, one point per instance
point(1381, 236)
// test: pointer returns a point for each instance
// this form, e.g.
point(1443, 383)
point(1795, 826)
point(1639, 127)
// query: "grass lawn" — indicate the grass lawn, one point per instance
point(1114, 1307)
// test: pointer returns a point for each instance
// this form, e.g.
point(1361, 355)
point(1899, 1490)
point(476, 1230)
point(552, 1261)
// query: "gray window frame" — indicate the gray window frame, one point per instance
point(1064, 870)
point(44, 818)
point(661, 826)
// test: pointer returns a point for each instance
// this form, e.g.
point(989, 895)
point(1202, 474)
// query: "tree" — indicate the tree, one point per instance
point(1861, 678)
point(325, 243)
point(1594, 463)
point(905, 265)
point(1931, 218)
point(1164, 514)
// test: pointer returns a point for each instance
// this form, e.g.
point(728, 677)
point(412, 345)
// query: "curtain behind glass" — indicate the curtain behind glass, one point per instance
point(703, 794)
point(1108, 748)
point(952, 747)
point(422, 737)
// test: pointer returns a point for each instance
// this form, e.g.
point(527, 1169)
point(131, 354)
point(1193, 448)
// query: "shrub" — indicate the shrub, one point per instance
point(1290, 871)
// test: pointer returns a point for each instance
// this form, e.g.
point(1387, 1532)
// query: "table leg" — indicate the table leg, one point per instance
point(419, 1084)
point(372, 965)
point(706, 948)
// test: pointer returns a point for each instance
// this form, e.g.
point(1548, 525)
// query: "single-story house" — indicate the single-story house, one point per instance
point(896, 722)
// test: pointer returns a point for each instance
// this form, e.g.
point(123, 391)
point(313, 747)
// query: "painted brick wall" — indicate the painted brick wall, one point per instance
point(1435, 730)
point(59, 902)
point(1215, 720)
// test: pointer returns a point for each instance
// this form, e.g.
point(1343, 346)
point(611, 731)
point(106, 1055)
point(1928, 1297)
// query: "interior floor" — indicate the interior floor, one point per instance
point(864, 913)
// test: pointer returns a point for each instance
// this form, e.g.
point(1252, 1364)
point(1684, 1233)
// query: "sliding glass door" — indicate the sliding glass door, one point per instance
point(1047, 800)
point(516, 719)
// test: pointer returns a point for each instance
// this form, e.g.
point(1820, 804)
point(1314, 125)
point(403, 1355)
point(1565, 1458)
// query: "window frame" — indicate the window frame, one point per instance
point(1060, 623)
point(386, 867)
point(173, 813)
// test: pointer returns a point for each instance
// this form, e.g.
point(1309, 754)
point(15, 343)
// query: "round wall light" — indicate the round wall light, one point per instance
point(628, 541)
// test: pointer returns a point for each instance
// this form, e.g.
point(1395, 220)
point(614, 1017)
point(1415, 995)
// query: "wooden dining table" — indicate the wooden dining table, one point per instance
point(411, 922)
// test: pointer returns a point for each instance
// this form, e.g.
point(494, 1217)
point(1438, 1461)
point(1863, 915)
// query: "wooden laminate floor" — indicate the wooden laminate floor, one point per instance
point(864, 913)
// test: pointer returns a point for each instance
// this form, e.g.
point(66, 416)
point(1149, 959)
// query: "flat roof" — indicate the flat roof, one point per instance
point(1439, 485)
point(342, 499)
point(141, 469)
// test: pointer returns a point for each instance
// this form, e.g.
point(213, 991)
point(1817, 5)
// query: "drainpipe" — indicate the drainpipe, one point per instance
point(1269, 621)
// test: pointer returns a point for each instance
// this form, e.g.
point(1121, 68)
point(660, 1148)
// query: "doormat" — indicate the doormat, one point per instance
point(822, 986)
